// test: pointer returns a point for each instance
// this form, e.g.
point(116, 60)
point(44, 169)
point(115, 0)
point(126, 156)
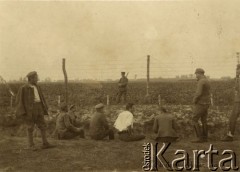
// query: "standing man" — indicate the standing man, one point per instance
point(124, 125)
point(122, 88)
point(99, 128)
point(201, 103)
point(32, 107)
point(236, 109)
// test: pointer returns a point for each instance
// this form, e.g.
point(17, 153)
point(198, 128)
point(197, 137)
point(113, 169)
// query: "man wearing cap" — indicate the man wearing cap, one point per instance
point(31, 107)
point(236, 109)
point(201, 103)
point(65, 124)
point(99, 128)
point(122, 88)
point(124, 125)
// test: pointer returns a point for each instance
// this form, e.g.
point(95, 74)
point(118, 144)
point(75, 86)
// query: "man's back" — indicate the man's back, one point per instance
point(164, 125)
point(202, 95)
point(124, 120)
point(98, 124)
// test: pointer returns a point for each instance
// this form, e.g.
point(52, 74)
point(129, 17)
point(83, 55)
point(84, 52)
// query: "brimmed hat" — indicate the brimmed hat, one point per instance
point(99, 106)
point(122, 72)
point(31, 74)
point(199, 70)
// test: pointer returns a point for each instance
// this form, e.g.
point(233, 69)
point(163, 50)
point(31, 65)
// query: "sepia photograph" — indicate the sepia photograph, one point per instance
point(119, 85)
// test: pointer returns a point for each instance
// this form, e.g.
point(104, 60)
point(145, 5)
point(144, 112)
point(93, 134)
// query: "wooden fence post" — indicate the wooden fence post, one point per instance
point(66, 80)
point(108, 102)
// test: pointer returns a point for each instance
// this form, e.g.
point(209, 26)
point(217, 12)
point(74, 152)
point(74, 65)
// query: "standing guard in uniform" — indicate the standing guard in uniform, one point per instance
point(31, 107)
point(236, 109)
point(201, 103)
point(122, 88)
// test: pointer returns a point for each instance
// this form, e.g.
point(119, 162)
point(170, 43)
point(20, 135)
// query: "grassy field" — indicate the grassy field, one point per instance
point(82, 94)
point(89, 155)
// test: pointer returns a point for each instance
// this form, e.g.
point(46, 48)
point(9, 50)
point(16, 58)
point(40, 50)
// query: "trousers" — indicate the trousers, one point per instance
point(200, 113)
point(129, 137)
point(37, 118)
point(122, 93)
point(107, 133)
point(233, 118)
point(70, 135)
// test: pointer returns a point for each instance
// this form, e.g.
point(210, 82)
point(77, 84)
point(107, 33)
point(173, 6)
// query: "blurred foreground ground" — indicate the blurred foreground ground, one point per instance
point(89, 155)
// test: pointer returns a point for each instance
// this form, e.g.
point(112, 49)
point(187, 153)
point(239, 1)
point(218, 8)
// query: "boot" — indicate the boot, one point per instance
point(205, 132)
point(30, 137)
point(45, 145)
point(197, 130)
point(31, 145)
point(227, 138)
point(111, 135)
point(82, 134)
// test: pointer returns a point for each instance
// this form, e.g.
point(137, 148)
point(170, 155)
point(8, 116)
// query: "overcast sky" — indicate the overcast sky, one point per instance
point(101, 39)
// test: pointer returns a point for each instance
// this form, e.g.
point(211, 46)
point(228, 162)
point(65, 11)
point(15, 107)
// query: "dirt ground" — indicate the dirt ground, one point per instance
point(88, 155)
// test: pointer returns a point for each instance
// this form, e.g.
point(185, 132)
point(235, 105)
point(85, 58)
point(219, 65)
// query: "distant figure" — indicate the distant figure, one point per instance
point(32, 107)
point(124, 125)
point(236, 109)
point(164, 126)
point(201, 103)
point(122, 88)
point(99, 128)
point(65, 124)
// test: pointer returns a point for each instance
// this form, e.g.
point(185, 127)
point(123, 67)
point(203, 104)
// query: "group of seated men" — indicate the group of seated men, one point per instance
point(99, 128)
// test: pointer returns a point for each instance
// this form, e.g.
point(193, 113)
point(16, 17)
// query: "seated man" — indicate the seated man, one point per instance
point(164, 127)
point(99, 128)
point(124, 125)
point(65, 125)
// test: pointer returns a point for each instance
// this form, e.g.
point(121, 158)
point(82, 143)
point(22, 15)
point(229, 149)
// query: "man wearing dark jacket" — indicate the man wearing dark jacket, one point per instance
point(31, 107)
point(99, 127)
point(165, 127)
point(201, 103)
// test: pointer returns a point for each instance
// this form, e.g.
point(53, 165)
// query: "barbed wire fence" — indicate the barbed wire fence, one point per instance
point(158, 69)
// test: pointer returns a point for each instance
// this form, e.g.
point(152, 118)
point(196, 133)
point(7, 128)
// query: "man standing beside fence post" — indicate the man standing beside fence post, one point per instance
point(122, 88)
point(201, 103)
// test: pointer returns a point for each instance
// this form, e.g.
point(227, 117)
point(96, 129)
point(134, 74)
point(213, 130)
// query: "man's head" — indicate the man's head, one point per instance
point(199, 72)
point(32, 77)
point(99, 107)
point(123, 74)
point(130, 107)
point(238, 70)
